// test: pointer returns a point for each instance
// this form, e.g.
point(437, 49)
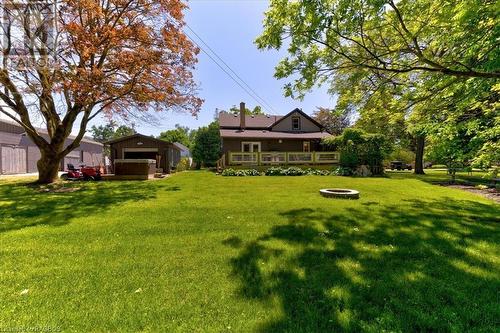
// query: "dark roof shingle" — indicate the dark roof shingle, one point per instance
point(265, 134)
point(257, 121)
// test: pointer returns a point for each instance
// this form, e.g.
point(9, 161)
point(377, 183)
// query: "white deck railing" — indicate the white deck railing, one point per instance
point(277, 158)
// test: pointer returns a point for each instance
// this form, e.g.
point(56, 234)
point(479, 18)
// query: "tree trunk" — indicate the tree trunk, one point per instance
point(419, 155)
point(48, 168)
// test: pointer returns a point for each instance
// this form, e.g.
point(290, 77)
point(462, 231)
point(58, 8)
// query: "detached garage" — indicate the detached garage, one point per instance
point(142, 147)
point(20, 155)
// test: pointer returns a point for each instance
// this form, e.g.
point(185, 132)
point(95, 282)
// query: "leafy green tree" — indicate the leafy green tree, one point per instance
point(103, 133)
point(328, 38)
point(180, 134)
point(110, 131)
point(255, 111)
point(396, 62)
point(401, 154)
point(334, 120)
point(357, 148)
point(124, 130)
point(467, 133)
point(207, 145)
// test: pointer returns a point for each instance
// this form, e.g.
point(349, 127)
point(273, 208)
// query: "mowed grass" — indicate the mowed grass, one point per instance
point(198, 252)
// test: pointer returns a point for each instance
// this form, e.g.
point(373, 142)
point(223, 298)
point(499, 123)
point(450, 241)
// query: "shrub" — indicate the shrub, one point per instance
point(239, 173)
point(293, 171)
point(274, 171)
point(206, 146)
point(349, 156)
point(359, 148)
point(316, 172)
point(251, 172)
point(343, 171)
point(279, 171)
point(184, 164)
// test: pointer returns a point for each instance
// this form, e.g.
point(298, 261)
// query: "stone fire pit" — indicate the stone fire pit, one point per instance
point(341, 193)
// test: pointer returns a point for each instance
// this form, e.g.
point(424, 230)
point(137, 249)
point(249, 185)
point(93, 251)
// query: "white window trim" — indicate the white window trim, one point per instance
point(251, 143)
point(308, 144)
point(300, 125)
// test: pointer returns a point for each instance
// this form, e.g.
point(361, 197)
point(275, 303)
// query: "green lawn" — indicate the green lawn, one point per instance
point(198, 252)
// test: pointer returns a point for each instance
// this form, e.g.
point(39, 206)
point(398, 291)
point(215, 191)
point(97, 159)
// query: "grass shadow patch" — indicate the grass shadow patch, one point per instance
point(409, 267)
point(26, 205)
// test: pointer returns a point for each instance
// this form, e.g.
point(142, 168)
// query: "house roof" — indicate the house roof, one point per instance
point(265, 134)
point(181, 146)
point(251, 121)
point(260, 121)
point(42, 131)
point(305, 115)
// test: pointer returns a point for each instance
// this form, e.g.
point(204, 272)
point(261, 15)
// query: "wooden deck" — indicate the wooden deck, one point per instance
point(280, 158)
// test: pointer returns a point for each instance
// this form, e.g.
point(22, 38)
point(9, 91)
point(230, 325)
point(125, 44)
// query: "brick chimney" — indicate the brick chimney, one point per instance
point(242, 116)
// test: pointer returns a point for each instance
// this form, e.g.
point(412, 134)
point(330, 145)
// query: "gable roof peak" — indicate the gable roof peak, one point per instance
point(302, 113)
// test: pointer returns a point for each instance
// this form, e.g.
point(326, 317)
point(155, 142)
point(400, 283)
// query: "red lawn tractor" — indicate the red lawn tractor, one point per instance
point(84, 173)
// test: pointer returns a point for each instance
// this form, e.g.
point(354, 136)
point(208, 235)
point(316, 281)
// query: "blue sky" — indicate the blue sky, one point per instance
point(230, 27)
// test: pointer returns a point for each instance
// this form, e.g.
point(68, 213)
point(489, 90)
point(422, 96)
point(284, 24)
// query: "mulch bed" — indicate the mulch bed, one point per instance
point(490, 193)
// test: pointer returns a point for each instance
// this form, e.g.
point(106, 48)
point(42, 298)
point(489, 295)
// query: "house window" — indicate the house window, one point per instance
point(306, 146)
point(250, 147)
point(296, 123)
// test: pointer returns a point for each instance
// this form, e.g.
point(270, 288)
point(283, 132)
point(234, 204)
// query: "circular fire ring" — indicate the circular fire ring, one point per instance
point(342, 193)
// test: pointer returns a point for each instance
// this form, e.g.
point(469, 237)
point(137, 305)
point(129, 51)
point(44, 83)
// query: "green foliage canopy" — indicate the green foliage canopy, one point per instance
point(359, 148)
point(110, 131)
point(326, 39)
point(334, 121)
point(180, 134)
point(207, 145)
point(255, 111)
point(404, 66)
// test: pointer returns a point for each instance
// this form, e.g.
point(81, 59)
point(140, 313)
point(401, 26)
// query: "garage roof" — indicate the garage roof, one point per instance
point(138, 135)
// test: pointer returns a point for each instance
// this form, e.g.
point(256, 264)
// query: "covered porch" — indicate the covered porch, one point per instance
point(281, 158)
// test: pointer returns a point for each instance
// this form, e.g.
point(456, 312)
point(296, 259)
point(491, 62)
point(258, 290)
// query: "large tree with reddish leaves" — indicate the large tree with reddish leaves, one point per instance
point(66, 63)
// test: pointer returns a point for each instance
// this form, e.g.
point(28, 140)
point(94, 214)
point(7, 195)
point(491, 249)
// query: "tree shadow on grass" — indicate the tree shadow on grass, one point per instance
point(420, 266)
point(23, 205)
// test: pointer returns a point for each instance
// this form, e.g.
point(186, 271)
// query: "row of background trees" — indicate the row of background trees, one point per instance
point(420, 71)
point(450, 141)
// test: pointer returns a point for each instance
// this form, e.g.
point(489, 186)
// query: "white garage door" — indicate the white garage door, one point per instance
point(13, 160)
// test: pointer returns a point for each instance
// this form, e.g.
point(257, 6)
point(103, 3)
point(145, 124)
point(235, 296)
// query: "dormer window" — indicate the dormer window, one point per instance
point(296, 123)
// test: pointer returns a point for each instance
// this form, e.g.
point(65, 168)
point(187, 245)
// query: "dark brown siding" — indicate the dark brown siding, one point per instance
point(287, 145)
point(234, 145)
point(165, 150)
point(285, 124)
